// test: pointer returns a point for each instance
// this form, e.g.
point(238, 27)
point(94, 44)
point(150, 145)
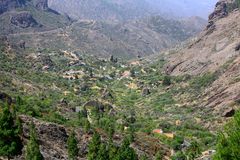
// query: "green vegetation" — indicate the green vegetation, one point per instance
point(72, 146)
point(33, 150)
point(203, 80)
point(94, 147)
point(10, 129)
point(234, 5)
point(193, 151)
point(228, 141)
point(167, 80)
point(122, 110)
point(179, 156)
point(126, 152)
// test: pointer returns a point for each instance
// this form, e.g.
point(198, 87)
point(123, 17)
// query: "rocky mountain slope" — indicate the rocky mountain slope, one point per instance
point(216, 50)
point(29, 16)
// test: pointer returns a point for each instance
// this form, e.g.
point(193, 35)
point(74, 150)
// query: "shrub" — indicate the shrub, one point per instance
point(179, 156)
point(203, 80)
point(167, 81)
point(177, 142)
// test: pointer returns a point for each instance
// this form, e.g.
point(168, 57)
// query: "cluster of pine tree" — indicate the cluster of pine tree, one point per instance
point(10, 137)
point(99, 150)
point(10, 132)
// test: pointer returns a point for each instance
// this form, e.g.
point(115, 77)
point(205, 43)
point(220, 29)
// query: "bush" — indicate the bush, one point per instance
point(177, 142)
point(167, 81)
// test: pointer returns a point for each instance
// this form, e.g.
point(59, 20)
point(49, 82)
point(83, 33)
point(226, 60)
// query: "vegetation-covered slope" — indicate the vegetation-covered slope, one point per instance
point(68, 104)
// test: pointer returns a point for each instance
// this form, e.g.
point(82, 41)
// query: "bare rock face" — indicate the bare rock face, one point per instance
point(220, 11)
point(52, 137)
point(24, 20)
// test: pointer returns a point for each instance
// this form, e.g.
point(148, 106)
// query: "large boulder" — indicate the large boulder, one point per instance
point(145, 91)
point(23, 20)
point(99, 106)
point(229, 112)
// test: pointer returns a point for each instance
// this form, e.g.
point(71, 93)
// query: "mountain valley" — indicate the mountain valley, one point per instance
point(104, 84)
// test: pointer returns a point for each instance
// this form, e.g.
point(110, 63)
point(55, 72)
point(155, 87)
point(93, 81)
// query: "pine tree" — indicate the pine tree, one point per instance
point(72, 147)
point(103, 152)
point(126, 152)
point(33, 150)
point(112, 150)
point(10, 141)
point(94, 146)
point(87, 125)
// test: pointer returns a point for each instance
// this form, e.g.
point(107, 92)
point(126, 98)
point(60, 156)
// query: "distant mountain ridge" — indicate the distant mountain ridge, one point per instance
point(132, 9)
point(122, 28)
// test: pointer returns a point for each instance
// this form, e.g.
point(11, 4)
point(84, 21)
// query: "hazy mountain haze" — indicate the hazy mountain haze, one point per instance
point(128, 9)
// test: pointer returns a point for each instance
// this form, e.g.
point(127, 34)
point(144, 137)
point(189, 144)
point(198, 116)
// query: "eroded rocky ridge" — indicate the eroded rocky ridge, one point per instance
point(215, 51)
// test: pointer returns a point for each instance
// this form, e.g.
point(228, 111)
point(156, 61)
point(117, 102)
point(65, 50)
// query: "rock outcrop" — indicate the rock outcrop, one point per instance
point(52, 137)
point(145, 92)
point(24, 20)
point(228, 113)
point(98, 105)
point(219, 12)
